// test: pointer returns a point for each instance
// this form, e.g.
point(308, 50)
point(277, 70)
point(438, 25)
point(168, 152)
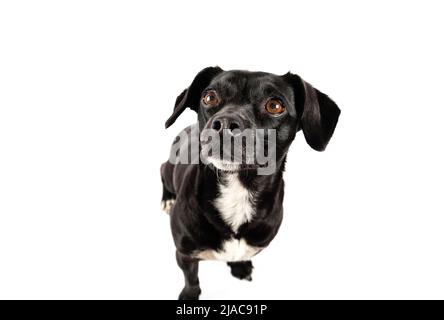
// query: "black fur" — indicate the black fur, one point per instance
point(241, 270)
point(196, 223)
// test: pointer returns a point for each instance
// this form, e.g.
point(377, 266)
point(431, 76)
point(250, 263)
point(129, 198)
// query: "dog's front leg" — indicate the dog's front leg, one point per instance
point(190, 268)
point(241, 269)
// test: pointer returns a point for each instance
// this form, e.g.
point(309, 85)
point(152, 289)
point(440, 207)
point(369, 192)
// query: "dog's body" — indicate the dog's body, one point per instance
point(226, 210)
point(233, 214)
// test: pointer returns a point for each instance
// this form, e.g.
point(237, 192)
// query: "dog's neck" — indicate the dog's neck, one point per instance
point(258, 183)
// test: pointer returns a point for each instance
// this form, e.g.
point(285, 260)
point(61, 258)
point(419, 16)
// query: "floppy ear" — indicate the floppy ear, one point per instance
point(318, 114)
point(190, 97)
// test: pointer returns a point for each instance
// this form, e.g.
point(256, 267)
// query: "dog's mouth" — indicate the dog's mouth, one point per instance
point(235, 153)
point(227, 154)
point(221, 158)
point(224, 165)
point(234, 166)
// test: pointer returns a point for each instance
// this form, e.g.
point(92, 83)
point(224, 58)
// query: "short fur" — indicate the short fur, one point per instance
point(231, 215)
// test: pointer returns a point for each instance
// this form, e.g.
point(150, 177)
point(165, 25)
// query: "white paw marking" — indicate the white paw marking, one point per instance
point(167, 205)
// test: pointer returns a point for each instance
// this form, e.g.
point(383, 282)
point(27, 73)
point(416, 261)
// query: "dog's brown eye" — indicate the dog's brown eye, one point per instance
point(211, 99)
point(274, 106)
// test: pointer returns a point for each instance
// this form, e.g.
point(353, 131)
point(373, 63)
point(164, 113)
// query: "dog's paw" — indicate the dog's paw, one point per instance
point(190, 293)
point(166, 205)
point(241, 270)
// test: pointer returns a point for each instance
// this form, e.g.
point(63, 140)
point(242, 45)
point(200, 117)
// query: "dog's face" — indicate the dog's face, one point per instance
point(256, 108)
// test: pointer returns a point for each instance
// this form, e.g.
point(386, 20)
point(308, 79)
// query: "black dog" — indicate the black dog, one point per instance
point(225, 210)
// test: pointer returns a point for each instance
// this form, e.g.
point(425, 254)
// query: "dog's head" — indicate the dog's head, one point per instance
point(233, 104)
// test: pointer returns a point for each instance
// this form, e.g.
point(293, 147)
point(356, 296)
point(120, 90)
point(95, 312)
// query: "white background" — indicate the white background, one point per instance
point(85, 88)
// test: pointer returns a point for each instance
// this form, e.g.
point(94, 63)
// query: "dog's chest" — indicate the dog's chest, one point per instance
point(235, 205)
point(235, 202)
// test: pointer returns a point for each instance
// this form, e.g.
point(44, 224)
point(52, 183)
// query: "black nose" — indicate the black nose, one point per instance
point(227, 123)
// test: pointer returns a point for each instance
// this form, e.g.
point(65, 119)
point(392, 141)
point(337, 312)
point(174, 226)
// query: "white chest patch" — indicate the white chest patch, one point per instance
point(234, 202)
point(232, 250)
